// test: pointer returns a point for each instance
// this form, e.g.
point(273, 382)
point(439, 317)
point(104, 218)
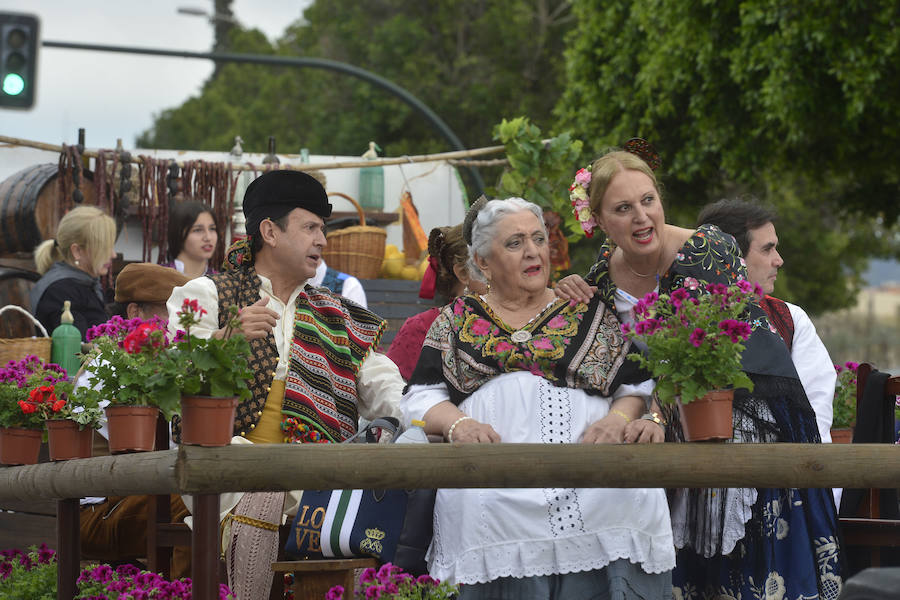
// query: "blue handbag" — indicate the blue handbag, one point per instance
point(349, 523)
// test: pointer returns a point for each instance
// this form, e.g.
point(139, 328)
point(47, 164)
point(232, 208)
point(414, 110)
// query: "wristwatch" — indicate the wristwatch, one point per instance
point(652, 416)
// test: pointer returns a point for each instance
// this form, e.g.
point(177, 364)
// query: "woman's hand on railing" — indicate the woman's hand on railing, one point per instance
point(470, 431)
point(643, 431)
point(608, 430)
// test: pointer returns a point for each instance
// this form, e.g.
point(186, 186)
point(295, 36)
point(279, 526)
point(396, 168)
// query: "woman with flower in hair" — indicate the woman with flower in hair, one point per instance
point(516, 364)
point(735, 543)
point(448, 276)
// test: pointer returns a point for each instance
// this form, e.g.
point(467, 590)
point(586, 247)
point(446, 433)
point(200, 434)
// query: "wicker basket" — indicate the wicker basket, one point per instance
point(356, 250)
point(19, 348)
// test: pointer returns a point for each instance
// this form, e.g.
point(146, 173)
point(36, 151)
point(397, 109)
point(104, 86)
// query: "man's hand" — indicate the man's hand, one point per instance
point(256, 321)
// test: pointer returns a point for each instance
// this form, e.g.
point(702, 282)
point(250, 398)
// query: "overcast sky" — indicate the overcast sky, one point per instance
point(116, 95)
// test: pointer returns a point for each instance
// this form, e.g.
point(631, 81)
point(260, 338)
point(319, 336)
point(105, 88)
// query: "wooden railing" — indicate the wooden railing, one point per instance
point(204, 472)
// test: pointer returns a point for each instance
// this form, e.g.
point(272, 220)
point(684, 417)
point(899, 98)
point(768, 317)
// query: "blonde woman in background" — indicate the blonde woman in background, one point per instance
point(71, 266)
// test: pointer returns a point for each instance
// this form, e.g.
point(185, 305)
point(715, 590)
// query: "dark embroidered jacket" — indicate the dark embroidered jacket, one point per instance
point(240, 287)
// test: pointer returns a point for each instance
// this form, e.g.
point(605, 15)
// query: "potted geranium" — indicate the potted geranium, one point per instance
point(212, 375)
point(70, 430)
point(28, 397)
point(125, 370)
point(693, 350)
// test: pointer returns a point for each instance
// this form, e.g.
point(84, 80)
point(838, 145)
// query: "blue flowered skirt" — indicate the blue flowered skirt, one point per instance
point(790, 551)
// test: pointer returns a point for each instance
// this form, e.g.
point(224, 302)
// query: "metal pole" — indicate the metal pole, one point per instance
point(295, 61)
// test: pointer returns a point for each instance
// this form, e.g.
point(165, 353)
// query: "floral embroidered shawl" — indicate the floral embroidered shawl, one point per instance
point(577, 346)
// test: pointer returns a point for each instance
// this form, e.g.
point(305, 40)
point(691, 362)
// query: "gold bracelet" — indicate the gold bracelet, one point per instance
point(452, 427)
point(616, 411)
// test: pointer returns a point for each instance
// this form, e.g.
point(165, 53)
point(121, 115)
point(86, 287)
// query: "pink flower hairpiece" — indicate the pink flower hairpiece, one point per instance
point(579, 190)
point(581, 202)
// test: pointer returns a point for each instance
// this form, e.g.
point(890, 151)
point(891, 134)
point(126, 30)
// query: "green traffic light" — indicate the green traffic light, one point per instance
point(13, 84)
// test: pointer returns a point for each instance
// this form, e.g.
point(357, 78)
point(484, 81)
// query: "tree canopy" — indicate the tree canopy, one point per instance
point(473, 63)
point(793, 102)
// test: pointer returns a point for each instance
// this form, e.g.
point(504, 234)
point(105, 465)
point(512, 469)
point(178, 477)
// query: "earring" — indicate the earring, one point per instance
point(488, 286)
point(76, 262)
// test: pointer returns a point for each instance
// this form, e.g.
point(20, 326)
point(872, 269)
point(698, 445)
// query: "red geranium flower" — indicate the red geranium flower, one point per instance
point(138, 338)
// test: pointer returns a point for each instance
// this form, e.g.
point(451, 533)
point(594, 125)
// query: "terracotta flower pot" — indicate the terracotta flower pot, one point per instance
point(708, 418)
point(131, 428)
point(206, 420)
point(67, 441)
point(19, 446)
point(842, 435)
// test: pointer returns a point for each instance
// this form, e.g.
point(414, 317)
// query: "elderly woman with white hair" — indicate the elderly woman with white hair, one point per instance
point(517, 364)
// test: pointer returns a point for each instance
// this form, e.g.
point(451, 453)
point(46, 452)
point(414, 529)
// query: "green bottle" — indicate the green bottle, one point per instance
point(66, 343)
point(371, 182)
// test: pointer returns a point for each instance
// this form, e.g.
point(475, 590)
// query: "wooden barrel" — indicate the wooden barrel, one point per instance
point(15, 284)
point(29, 207)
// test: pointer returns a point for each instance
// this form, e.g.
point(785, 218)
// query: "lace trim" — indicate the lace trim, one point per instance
point(530, 558)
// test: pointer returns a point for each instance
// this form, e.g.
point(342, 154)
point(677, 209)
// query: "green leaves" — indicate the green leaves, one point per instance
point(778, 99)
point(539, 171)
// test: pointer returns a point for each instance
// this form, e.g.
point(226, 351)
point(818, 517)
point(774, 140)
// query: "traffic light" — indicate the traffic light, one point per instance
point(18, 59)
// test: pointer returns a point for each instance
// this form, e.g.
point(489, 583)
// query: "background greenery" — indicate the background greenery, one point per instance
point(794, 103)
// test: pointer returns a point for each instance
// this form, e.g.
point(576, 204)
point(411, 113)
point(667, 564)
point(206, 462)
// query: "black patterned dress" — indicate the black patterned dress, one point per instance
point(748, 543)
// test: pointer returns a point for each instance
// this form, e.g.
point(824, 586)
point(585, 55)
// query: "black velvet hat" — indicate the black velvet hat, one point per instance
point(276, 193)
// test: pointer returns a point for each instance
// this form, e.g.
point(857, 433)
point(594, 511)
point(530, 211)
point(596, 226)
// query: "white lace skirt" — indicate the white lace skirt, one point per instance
point(483, 534)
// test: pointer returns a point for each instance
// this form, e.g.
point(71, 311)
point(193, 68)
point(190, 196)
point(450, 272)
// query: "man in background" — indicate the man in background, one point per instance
point(753, 227)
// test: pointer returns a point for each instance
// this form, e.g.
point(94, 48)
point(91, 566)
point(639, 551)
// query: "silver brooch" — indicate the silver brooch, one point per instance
point(520, 336)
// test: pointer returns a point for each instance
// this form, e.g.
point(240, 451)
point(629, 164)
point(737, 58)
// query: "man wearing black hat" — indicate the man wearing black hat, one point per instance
point(315, 367)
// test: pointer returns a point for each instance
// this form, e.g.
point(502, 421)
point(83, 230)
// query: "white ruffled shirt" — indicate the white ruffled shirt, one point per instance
point(483, 534)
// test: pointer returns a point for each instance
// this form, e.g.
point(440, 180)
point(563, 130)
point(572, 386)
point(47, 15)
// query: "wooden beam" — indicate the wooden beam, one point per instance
point(196, 470)
point(119, 475)
point(325, 466)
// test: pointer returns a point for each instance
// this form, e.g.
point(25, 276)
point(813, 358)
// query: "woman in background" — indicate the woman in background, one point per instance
point(193, 235)
point(71, 266)
point(448, 276)
point(732, 543)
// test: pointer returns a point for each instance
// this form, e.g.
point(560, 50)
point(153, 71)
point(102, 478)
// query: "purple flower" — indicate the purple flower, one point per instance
point(744, 285)
point(650, 298)
point(45, 554)
point(426, 580)
point(626, 328)
point(336, 593)
point(647, 327)
point(697, 337)
point(367, 576)
point(678, 296)
point(735, 330)
point(127, 570)
point(373, 592)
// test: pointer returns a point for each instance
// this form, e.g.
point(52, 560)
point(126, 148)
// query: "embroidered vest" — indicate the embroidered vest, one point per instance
point(780, 316)
point(240, 287)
